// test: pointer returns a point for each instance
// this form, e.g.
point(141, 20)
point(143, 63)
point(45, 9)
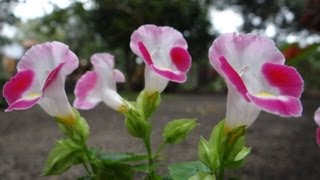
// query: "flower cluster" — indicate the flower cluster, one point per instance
point(251, 65)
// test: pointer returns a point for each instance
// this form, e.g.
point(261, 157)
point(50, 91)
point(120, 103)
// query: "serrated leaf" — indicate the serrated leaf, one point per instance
point(177, 130)
point(185, 170)
point(65, 154)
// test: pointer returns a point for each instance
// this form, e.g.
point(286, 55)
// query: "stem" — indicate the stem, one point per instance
point(152, 173)
point(160, 148)
point(221, 173)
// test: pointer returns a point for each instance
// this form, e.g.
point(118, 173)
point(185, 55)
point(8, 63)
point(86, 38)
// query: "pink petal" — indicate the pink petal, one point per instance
point(181, 58)
point(53, 76)
point(285, 78)
point(175, 76)
point(145, 54)
point(84, 86)
point(318, 136)
point(13, 90)
point(44, 57)
point(118, 76)
point(317, 116)
point(23, 104)
point(285, 106)
point(102, 59)
point(233, 77)
point(244, 49)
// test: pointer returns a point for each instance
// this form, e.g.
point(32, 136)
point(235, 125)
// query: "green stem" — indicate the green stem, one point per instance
point(221, 173)
point(152, 173)
point(160, 148)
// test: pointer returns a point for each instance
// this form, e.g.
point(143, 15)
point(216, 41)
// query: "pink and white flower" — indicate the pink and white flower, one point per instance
point(40, 80)
point(257, 78)
point(100, 84)
point(317, 119)
point(164, 51)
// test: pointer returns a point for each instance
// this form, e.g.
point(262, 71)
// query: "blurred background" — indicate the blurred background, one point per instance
point(90, 26)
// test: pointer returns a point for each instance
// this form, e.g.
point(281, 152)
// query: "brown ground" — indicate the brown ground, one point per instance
point(282, 148)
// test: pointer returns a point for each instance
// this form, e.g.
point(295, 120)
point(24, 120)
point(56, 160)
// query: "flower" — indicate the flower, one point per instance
point(317, 119)
point(164, 51)
point(257, 78)
point(40, 80)
point(100, 84)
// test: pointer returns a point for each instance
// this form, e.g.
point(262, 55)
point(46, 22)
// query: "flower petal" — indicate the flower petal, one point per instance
point(86, 98)
point(285, 78)
point(239, 111)
point(181, 58)
point(175, 76)
point(244, 49)
point(153, 81)
point(100, 84)
point(118, 76)
point(318, 136)
point(164, 50)
point(317, 116)
point(18, 85)
point(285, 106)
point(233, 77)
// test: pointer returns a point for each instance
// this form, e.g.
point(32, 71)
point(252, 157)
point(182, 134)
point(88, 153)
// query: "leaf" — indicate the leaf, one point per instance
point(121, 157)
point(203, 176)
point(65, 154)
point(116, 172)
point(218, 139)
point(177, 130)
point(243, 153)
point(207, 156)
point(184, 170)
point(148, 103)
point(136, 125)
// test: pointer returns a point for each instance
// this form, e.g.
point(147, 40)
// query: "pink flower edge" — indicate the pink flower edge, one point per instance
point(84, 86)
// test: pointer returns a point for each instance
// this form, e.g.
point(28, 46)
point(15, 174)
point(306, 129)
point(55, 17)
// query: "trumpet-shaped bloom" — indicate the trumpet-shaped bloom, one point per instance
point(164, 51)
point(257, 78)
point(40, 80)
point(100, 84)
point(317, 119)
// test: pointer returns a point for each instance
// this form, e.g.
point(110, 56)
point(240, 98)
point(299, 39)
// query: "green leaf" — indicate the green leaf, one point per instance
point(242, 154)
point(184, 170)
point(203, 176)
point(207, 156)
point(145, 168)
point(116, 172)
point(233, 150)
point(148, 103)
point(136, 125)
point(65, 154)
point(218, 140)
point(177, 130)
point(121, 157)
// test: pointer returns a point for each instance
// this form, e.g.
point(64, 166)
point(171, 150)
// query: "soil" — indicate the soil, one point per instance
point(281, 148)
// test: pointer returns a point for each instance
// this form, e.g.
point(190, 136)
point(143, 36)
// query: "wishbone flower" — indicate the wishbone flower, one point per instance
point(100, 84)
point(317, 119)
point(164, 51)
point(40, 80)
point(257, 78)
